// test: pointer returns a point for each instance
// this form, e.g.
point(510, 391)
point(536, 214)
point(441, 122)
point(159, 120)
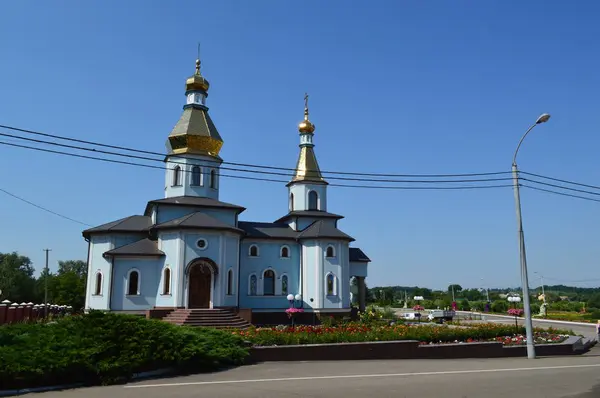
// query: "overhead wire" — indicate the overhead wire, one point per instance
point(59, 137)
point(461, 187)
point(559, 193)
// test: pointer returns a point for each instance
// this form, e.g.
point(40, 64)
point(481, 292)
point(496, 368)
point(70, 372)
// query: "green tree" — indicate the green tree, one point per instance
point(16, 278)
point(68, 286)
point(594, 301)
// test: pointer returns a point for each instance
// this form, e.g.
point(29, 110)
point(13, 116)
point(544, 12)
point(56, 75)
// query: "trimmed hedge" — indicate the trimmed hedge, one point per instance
point(104, 348)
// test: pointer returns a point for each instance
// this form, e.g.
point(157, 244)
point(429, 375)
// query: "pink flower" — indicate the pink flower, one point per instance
point(291, 311)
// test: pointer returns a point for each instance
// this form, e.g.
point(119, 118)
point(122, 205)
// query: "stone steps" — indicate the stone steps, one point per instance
point(204, 317)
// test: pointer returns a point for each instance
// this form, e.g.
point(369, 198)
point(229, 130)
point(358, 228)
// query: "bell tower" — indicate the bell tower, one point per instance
point(308, 188)
point(192, 161)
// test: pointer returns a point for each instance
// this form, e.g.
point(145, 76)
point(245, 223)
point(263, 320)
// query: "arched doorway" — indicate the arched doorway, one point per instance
point(200, 283)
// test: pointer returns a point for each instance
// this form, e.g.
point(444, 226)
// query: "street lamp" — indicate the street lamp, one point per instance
point(515, 300)
point(542, 282)
point(523, 257)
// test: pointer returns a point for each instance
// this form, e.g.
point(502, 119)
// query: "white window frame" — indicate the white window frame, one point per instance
point(332, 249)
point(335, 292)
point(139, 283)
point(288, 250)
point(262, 284)
point(101, 290)
point(250, 250)
point(281, 284)
point(308, 200)
point(177, 177)
point(192, 176)
point(168, 293)
point(250, 284)
point(205, 246)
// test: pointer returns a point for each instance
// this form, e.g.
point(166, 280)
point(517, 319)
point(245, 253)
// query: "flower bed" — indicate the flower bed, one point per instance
point(285, 335)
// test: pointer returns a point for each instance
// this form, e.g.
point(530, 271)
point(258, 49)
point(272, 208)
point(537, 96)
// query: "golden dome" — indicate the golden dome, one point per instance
point(306, 125)
point(197, 82)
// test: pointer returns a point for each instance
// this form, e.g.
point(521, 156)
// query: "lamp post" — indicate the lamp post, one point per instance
point(515, 300)
point(542, 282)
point(523, 257)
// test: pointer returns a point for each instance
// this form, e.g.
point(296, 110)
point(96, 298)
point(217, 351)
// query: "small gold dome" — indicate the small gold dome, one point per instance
point(197, 81)
point(306, 126)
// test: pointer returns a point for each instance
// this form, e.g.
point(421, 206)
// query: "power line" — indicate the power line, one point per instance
point(43, 208)
point(251, 171)
point(246, 164)
point(462, 187)
point(559, 180)
point(561, 187)
point(559, 193)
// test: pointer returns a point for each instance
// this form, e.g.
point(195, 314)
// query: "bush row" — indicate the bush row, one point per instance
point(101, 348)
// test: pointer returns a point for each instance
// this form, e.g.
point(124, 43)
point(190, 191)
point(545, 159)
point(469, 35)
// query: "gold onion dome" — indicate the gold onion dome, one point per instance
point(306, 125)
point(197, 81)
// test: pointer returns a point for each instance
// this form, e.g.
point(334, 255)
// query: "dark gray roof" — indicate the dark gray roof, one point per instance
point(267, 230)
point(310, 213)
point(194, 201)
point(358, 255)
point(320, 229)
point(196, 220)
point(144, 247)
point(127, 224)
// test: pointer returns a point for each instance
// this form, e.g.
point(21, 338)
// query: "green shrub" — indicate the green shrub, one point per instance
point(101, 348)
point(500, 306)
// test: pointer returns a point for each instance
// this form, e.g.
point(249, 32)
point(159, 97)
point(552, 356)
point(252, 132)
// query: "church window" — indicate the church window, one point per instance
point(133, 283)
point(213, 179)
point(98, 287)
point(230, 282)
point(253, 283)
point(330, 285)
point(269, 283)
point(284, 284)
point(330, 252)
point(313, 199)
point(176, 176)
point(253, 252)
point(196, 174)
point(202, 244)
point(167, 281)
point(291, 202)
point(285, 252)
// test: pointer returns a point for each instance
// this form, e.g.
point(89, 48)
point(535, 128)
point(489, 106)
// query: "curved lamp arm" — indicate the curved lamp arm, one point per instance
point(542, 119)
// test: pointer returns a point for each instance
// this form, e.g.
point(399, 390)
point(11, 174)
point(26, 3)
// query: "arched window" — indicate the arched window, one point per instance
point(284, 285)
point(253, 252)
point(313, 199)
point(176, 176)
point(196, 174)
point(330, 285)
point(230, 282)
point(133, 283)
point(252, 288)
point(285, 252)
point(269, 283)
point(213, 179)
point(291, 202)
point(167, 281)
point(98, 287)
point(330, 252)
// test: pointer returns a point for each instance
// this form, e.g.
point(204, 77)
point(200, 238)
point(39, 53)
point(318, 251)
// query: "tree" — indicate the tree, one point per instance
point(457, 288)
point(16, 278)
point(68, 286)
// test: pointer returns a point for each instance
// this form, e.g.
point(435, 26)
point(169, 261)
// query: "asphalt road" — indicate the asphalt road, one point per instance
point(575, 377)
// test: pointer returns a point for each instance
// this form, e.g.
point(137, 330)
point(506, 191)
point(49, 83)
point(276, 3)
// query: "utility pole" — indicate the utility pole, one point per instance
point(46, 284)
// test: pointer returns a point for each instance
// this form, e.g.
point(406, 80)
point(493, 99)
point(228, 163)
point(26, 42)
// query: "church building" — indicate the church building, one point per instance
point(189, 250)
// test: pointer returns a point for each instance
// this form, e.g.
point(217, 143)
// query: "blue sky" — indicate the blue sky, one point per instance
point(405, 87)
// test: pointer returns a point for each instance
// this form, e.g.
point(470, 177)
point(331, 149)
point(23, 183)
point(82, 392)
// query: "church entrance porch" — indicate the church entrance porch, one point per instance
point(200, 286)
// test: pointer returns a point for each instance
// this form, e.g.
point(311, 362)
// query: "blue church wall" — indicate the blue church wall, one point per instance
point(301, 193)
point(231, 263)
point(186, 184)
point(169, 244)
point(358, 269)
point(311, 285)
point(167, 213)
point(149, 274)
point(269, 258)
point(98, 264)
point(338, 267)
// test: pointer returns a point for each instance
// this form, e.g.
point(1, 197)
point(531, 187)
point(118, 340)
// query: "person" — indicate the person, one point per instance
point(598, 331)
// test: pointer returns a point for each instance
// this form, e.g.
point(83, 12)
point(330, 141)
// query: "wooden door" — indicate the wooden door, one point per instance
point(199, 286)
